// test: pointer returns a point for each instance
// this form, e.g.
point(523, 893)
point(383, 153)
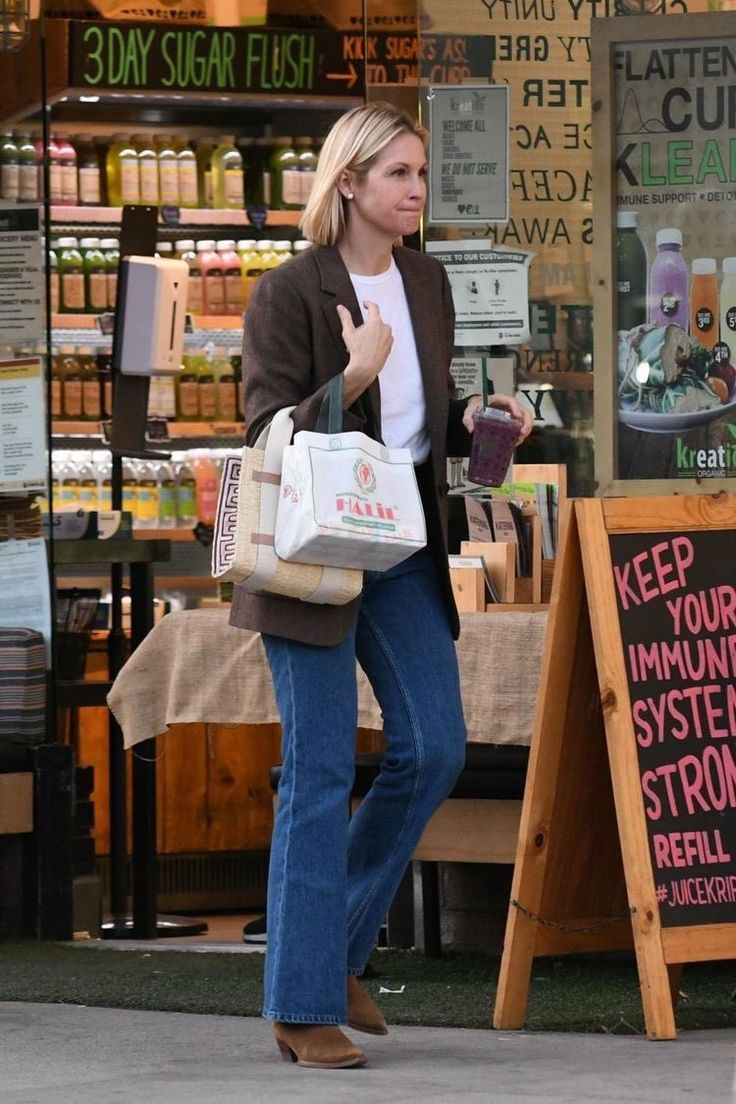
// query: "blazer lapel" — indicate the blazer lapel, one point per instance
point(337, 290)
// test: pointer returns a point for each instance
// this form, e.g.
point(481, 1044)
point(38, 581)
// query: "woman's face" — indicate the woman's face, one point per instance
point(390, 198)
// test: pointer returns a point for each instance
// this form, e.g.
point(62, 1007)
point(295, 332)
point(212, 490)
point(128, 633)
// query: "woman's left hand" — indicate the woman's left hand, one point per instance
point(501, 402)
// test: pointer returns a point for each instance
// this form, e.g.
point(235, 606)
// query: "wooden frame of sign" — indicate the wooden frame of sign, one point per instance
point(629, 823)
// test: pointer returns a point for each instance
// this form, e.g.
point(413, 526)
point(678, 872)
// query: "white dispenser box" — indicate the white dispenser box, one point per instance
point(154, 315)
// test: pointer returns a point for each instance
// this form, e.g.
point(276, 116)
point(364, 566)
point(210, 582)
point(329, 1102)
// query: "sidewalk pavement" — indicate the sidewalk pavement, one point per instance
point(66, 1054)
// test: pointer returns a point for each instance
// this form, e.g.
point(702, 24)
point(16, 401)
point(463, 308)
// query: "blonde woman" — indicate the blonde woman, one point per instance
point(381, 314)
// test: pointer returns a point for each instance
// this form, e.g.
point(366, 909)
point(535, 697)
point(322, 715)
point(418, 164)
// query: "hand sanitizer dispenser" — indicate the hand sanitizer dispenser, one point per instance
point(154, 302)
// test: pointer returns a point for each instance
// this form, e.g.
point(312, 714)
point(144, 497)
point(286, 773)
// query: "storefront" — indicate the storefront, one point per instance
point(217, 123)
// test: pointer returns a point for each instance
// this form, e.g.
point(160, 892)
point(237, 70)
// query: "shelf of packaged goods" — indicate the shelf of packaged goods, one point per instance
point(199, 322)
point(188, 216)
point(176, 429)
point(179, 534)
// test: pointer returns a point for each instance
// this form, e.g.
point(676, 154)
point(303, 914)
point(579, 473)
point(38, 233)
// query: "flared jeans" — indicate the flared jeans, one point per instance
point(332, 878)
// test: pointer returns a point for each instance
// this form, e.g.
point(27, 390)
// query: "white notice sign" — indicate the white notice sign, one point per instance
point(468, 153)
point(25, 601)
point(490, 288)
point(22, 426)
point(21, 275)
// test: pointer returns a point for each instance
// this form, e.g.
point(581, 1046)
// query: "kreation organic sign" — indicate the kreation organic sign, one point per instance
point(264, 60)
point(677, 613)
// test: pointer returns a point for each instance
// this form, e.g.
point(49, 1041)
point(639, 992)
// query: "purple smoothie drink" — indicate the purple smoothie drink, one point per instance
point(668, 298)
point(495, 435)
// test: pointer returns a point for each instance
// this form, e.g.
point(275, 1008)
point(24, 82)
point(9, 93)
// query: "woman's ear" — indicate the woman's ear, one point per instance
point(345, 185)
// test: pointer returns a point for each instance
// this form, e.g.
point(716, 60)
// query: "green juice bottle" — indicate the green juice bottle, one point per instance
point(228, 177)
point(631, 272)
point(95, 275)
point(71, 277)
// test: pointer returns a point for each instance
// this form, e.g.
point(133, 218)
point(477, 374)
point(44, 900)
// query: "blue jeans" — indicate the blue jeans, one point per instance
point(331, 878)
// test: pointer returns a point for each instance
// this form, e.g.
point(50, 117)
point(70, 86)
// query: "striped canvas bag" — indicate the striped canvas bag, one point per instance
point(242, 546)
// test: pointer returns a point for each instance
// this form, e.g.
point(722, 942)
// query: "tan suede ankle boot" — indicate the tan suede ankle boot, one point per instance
point(363, 1015)
point(317, 1046)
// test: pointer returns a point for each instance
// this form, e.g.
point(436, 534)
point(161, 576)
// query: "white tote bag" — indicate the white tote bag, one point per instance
point(346, 500)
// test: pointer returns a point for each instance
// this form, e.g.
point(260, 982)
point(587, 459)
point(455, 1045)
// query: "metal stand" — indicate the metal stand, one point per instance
point(127, 438)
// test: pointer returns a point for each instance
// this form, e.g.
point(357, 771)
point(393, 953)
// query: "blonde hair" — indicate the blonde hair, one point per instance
point(352, 145)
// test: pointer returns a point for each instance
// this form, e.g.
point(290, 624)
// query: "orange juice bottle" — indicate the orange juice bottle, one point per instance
point(206, 480)
point(232, 274)
point(704, 315)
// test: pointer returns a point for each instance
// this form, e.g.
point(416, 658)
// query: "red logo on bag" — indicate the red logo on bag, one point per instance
point(365, 477)
point(350, 504)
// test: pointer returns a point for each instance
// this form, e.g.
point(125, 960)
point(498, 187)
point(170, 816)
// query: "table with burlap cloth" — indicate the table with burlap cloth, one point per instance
point(193, 667)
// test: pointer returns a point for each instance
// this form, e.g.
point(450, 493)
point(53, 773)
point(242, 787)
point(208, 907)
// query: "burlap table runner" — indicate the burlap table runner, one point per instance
point(193, 667)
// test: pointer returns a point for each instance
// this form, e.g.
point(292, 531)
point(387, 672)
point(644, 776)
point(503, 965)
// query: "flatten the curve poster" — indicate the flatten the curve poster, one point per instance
point(675, 120)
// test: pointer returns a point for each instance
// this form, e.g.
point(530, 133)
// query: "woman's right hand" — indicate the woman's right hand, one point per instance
point(368, 347)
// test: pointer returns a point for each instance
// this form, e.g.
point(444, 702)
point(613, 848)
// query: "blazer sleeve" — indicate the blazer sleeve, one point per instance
point(458, 438)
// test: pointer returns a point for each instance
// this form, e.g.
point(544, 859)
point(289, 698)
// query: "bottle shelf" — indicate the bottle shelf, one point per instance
point(176, 430)
point(188, 216)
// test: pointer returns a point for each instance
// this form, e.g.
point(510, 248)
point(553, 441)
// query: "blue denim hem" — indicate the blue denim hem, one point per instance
point(276, 1017)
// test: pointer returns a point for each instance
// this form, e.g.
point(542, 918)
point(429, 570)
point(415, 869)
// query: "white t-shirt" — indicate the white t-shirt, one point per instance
point(403, 409)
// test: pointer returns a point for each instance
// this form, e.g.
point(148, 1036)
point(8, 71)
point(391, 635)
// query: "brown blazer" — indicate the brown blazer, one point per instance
point(292, 347)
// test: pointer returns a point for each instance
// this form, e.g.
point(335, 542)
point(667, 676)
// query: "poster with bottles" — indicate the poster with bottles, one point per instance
point(674, 251)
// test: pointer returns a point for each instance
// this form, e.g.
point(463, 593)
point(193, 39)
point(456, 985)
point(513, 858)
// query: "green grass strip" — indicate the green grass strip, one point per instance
point(589, 994)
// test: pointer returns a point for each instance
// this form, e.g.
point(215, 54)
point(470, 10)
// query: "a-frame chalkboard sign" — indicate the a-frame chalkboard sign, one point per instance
point(628, 829)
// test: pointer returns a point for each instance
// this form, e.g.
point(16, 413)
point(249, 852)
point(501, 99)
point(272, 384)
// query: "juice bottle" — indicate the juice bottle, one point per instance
point(147, 169)
point(232, 274)
point(88, 486)
point(166, 496)
point(103, 362)
point(165, 249)
point(728, 306)
point(187, 389)
point(203, 155)
point(285, 177)
point(103, 467)
point(262, 169)
point(168, 172)
point(130, 489)
point(248, 258)
point(206, 386)
point(186, 491)
point(54, 278)
point(668, 300)
point(236, 360)
point(307, 167)
point(300, 246)
point(71, 277)
point(123, 172)
point(631, 272)
point(28, 179)
point(69, 484)
point(54, 172)
point(88, 172)
point(704, 312)
point(110, 252)
point(91, 407)
point(68, 160)
point(37, 140)
point(213, 281)
point(184, 251)
point(224, 373)
point(227, 176)
point(187, 174)
point(205, 476)
point(281, 252)
point(71, 383)
point(95, 274)
point(147, 499)
point(9, 168)
point(56, 407)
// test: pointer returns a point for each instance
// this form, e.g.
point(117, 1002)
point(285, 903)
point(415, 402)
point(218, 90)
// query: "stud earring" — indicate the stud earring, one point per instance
point(350, 195)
